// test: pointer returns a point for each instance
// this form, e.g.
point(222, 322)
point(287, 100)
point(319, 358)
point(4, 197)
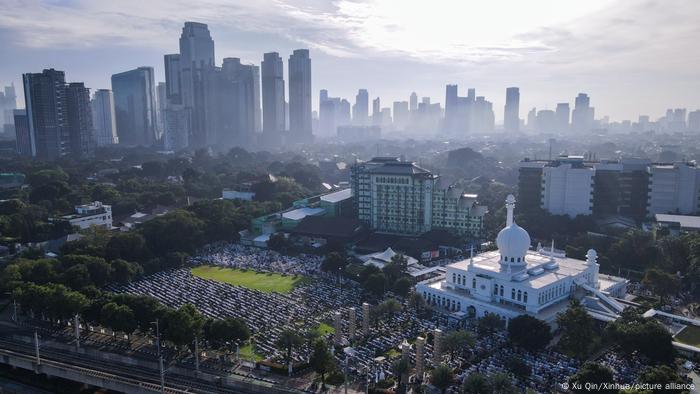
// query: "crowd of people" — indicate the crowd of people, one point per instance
point(310, 304)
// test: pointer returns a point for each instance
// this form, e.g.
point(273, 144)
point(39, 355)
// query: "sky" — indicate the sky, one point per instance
point(631, 56)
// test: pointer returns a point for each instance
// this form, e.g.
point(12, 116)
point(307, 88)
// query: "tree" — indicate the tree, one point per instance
point(177, 231)
point(130, 246)
point(395, 268)
point(502, 384)
point(334, 263)
point(124, 271)
point(288, 340)
point(322, 360)
point(278, 243)
point(489, 324)
point(400, 369)
point(663, 283)
point(456, 342)
point(146, 309)
point(118, 318)
point(592, 373)
point(402, 286)
point(529, 333)
point(578, 336)
point(662, 374)
point(441, 377)
point(386, 310)
point(518, 367)
point(220, 331)
point(76, 277)
point(647, 336)
point(375, 284)
point(475, 383)
point(182, 325)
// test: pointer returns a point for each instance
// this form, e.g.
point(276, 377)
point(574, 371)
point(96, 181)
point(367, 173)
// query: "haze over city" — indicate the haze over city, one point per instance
point(632, 57)
point(350, 196)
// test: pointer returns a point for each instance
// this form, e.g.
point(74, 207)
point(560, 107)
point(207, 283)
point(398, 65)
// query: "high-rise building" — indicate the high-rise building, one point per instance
point(22, 137)
point(272, 98)
point(196, 60)
point(58, 116)
point(135, 107)
point(563, 113)
point(398, 197)
point(401, 115)
point(79, 120)
point(300, 96)
point(674, 188)
point(45, 101)
point(511, 112)
point(376, 111)
point(8, 103)
point(413, 102)
point(104, 120)
point(360, 111)
point(176, 116)
point(236, 104)
point(694, 121)
point(161, 103)
point(583, 114)
point(482, 117)
point(458, 111)
point(546, 121)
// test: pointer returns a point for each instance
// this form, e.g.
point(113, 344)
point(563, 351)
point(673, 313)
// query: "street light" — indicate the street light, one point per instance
point(160, 357)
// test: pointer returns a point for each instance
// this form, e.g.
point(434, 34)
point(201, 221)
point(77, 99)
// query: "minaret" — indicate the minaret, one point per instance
point(510, 206)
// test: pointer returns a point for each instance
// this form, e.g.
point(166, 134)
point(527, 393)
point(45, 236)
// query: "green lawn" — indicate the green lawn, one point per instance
point(690, 335)
point(247, 352)
point(325, 329)
point(265, 282)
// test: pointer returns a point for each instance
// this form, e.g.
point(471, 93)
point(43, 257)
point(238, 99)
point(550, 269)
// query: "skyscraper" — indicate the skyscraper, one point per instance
point(104, 120)
point(413, 102)
point(562, 114)
point(583, 114)
point(79, 120)
point(58, 117)
point(196, 59)
point(300, 95)
point(176, 117)
point(272, 98)
point(376, 111)
point(511, 112)
point(401, 115)
point(8, 102)
point(135, 106)
point(694, 121)
point(22, 138)
point(236, 103)
point(45, 98)
point(360, 111)
point(458, 111)
point(161, 102)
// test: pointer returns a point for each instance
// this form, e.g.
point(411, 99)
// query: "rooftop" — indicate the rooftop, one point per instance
point(685, 221)
point(338, 196)
point(489, 263)
point(301, 213)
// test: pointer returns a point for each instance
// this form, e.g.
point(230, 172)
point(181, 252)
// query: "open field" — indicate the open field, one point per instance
point(690, 335)
point(265, 282)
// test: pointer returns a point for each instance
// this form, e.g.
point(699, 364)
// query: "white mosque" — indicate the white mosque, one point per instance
point(515, 280)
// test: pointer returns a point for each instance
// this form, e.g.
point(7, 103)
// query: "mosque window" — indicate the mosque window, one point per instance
point(512, 293)
point(454, 277)
point(520, 295)
point(525, 297)
point(501, 294)
point(495, 289)
point(473, 283)
point(512, 260)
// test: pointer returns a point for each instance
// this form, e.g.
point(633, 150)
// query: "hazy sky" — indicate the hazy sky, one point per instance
point(630, 56)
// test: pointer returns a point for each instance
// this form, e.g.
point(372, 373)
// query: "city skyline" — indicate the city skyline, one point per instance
point(551, 57)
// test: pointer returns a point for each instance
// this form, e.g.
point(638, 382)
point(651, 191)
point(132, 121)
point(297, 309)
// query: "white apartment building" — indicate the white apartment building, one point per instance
point(674, 188)
point(567, 188)
point(92, 214)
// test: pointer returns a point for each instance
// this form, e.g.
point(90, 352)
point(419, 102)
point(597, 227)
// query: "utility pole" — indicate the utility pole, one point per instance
point(160, 358)
point(196, 354)
point(36, 347)
point(76, 323)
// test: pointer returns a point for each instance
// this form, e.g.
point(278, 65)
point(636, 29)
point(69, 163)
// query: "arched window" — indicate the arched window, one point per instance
point(518, 259)
point(525, 297)
point(501, 294)
point(512, 293)
point(454, 277)
point(473, 283)
point(495, 289)
point(520, 295)
point(512, 260)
